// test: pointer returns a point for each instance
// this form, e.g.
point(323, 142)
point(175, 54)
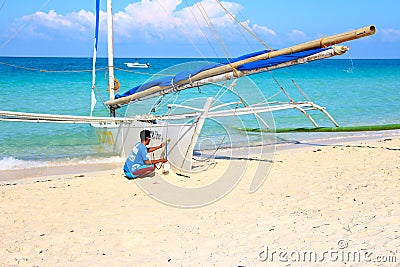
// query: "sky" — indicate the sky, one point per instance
point(177, 28)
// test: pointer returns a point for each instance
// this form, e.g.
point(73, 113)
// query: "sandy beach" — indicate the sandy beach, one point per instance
point(319, 204)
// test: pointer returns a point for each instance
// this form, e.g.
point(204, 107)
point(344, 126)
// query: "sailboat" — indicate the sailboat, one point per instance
point(181, 130)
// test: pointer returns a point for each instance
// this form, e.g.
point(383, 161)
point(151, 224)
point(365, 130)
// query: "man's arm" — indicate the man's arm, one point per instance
point(154, 148)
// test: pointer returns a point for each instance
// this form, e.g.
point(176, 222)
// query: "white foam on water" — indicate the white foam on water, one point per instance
point(11, 163)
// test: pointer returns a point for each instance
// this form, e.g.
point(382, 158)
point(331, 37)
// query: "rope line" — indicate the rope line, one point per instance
point(280, 86)
point(183, 33)
point(24, 24)
point(77, 71)
point(2, 4)
point(201, 29)
point(98, 94)
point(214, 31)
point(301, 91)
point(42, 70)
point(223, 138)
point(244, 26)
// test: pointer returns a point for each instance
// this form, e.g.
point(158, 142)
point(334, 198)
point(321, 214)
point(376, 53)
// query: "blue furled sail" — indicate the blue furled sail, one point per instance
point(96, 38)
point(170, 81)
point(166, 81)
point(276, 60)
point(245, 65)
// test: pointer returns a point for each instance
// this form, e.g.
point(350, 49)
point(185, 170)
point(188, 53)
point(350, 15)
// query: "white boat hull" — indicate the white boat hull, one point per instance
point(137, 65)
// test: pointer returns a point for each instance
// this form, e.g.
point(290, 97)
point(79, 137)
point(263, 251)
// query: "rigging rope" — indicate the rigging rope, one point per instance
point(2, 4)
point(223, 138)
point(201, 29)
point(301, 91)
point(280, 86)
point(214, 31)
point(272, 96)
point(42, 70)
point(24, 24)
point(244, 37)
point(227, 88)
point(220, 94)
point(244, 26)
point(183, 33)
point(267, 46)
point(98, 94)
point(77, 71)
point(167, 102)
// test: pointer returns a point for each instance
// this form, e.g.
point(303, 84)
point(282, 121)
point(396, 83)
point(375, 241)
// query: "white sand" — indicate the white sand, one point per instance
point(313, 198)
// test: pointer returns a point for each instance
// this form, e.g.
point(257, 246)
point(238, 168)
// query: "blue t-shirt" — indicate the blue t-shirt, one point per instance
point(136, 158)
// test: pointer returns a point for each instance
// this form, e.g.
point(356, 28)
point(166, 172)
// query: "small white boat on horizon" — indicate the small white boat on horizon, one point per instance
point(137, 65)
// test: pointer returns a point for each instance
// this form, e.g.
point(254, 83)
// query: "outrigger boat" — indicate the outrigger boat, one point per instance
point(181, 130)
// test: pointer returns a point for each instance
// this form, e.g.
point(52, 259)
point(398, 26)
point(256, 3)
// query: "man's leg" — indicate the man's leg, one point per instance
point(144, 170)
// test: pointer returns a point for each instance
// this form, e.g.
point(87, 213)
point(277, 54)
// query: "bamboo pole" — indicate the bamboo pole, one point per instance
point(318, 43)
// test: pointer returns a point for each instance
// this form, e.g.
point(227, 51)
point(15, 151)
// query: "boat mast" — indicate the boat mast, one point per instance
point(110, 54)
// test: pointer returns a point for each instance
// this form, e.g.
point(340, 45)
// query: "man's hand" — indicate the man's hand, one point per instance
point(163, 160)
point(162, 145)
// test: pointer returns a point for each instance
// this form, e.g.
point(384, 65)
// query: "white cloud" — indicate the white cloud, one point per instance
point(158, 20)
point(297, 35)
point(390, 35)
point(51, 25)
point(163, 20)
point(263, 30)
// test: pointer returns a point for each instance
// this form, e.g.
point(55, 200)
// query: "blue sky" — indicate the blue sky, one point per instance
point(167, 28)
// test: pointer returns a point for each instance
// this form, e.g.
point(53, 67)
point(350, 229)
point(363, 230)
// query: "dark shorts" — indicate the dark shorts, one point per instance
point(143, 169)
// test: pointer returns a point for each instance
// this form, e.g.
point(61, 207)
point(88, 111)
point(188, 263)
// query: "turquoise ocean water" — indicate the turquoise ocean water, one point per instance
point(355, 92)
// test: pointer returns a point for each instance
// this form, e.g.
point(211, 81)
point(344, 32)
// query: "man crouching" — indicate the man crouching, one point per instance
point(138, 165)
